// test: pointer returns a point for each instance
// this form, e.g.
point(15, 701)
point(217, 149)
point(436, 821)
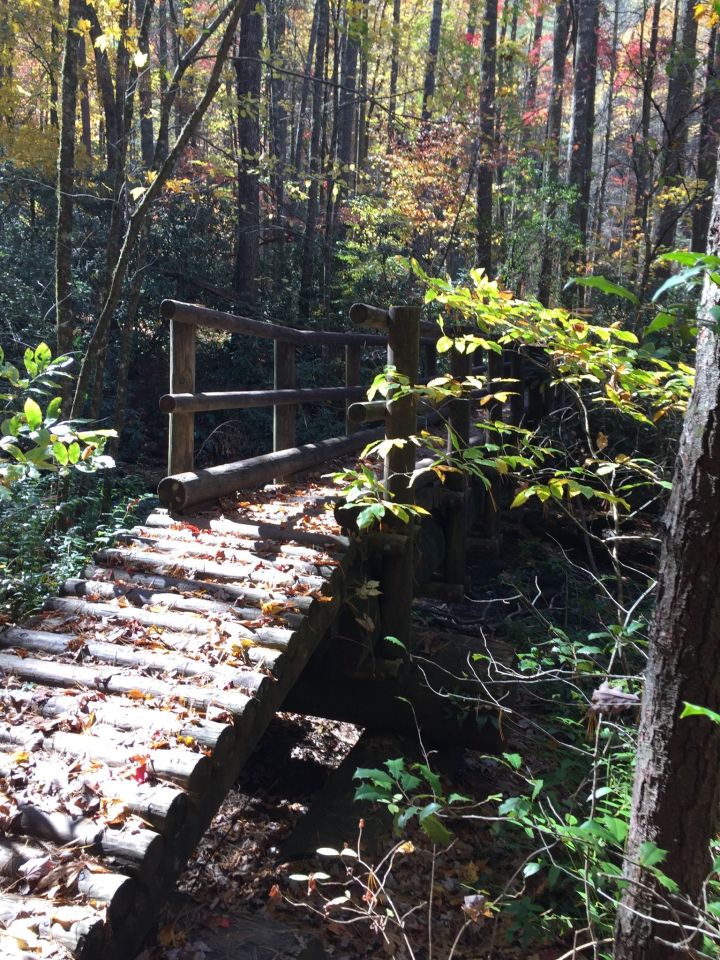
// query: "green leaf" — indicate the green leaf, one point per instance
point(33, 413)
point(367, 516)
point(604, 286)
point(691, 710)
point(395, 642)
point(514, 759)
point(436, 830)
point(371, 773)
point(649, 854)
point(677, 280)
point(53, 409)
point(530, 869)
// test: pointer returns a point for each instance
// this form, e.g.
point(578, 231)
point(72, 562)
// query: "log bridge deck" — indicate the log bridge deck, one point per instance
point(131, 703)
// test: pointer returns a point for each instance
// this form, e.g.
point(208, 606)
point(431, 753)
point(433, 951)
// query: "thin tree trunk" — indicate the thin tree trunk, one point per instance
point(708, 144)
point(276, 25)
point(66, 180)
point(605, 168)
point(346, 111)
point(487, 152)
point(85, 116)
point(147, 140)
point(305, 92)
point(394, 69)
point(583, 118)
point(679, 107)
point(162, 146)
point(532, 73)
point(643, 154)
point(54, 61)
point(431, 60)
point(552, 139)
point(247, 246)
point(676, 794)
point(308, 248)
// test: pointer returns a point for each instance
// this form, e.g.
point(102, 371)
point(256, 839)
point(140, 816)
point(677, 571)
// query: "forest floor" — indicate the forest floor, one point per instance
point(236, 900)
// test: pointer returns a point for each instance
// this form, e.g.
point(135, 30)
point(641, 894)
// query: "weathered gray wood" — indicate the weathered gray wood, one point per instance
point(365, 315)
point(284, 379)
point(353, 381)
point(142, 849)
point(93, 678)
point(183, 490)
point(261, 531)
point(367, 412)
point(181, 444)
point(36, 641)
point(81, 930)
point(115, 890)
point(145, 559)
point(125, 579)
point(187, 769)
point(250, 399)
point(194, 315)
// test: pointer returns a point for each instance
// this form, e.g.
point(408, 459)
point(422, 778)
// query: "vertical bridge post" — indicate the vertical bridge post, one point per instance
point(456, 516)
point(403, 329)
point(181, 443)
point(284, 417)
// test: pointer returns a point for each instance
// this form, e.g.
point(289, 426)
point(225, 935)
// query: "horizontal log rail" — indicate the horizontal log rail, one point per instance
point(250, 399)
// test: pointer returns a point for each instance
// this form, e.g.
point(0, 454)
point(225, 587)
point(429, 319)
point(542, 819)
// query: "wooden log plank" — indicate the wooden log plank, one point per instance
point(162, 562)
point(78, 929)
point(182, 767)
point(254, 399)
point(243, 546)
point(140, 597)
point(260, 531)
point(70, 675)
point(128, 655)
point(219, 738)
point(184, 489)
point(140, 849)
point(220, 590)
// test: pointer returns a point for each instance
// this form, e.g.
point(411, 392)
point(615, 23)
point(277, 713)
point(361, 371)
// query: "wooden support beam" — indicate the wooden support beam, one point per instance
point(353, 381)
point(370, 411)
point(250, 399)
point(284, 379)
point(455, 523)
point(183, 490)
point(181, 443)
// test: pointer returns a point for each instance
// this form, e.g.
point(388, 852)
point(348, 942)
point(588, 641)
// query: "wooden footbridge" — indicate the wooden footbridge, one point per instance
point(132, 701)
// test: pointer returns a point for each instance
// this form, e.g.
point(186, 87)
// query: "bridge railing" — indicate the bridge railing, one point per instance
point(184, 485)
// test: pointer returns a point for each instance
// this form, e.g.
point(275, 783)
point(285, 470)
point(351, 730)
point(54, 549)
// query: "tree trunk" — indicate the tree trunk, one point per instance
point(305, 93)
point(583, 117)
point(676, 795)
point(532, 75)
point(680, 102)
point(54, 61)
point(66, 181)
point(147, 140)
point(552, 139)
point(431, 60)
point(605, 168)
point(486, 153)
point(247, 247)
point(643, 155)
point(162, 146)
point(308, 248)
point(394, 70)
point(85, 117)
point(276, 24)
point(709, 138)
point(346, 111)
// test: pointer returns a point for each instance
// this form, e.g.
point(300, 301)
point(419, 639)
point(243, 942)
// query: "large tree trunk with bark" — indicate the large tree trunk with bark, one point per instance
point(676, 795)
point(247, 246)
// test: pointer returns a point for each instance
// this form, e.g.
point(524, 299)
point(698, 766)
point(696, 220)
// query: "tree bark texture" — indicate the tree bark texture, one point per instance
point(676, 795)
point(552, 138)
point(66, 180)
point(486, 159)
point(708, 146)
point(308, 248)
point(394, 70)
point(677, 116)
point(247, 245)
point(431, 61)
point(583, 115)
